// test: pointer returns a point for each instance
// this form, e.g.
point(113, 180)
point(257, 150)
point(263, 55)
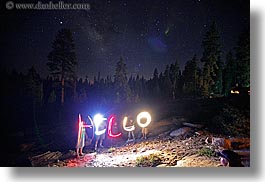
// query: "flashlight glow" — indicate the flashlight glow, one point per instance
point(98, 119)
point(111, 121)
point(142, 115)
point(127, 128)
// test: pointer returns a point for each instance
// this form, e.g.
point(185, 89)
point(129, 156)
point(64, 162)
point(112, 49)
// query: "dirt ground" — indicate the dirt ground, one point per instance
point(162, 151)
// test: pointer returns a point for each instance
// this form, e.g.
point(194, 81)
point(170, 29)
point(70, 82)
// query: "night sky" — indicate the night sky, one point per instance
point(147, 34)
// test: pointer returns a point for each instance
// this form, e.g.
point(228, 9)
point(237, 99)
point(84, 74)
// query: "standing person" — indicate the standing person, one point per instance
point(81, 142)
point(115, 129)
point(130, 133)
point(81, 137)
point(144, 132)
point(100, 138)
point(129, 126)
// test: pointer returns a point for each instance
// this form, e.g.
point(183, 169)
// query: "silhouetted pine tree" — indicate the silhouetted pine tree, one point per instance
point(62, 59)
point(212, 69)
point(229, 75)
point(167, 87)
point(34, 90)
point(155, 84)
point(173, 75)
point(191, 77)
point(242, 56)
point(122, 89)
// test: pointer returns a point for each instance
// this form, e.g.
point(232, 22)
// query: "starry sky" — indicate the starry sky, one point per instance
point(148, 34)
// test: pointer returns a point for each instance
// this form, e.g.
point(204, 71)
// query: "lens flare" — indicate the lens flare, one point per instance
point(141, 116)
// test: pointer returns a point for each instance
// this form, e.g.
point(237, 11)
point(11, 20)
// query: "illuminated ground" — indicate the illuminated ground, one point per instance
point(171, 152)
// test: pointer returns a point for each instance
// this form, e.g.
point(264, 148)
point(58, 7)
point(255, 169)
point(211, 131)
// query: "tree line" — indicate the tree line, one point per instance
point(213, 73)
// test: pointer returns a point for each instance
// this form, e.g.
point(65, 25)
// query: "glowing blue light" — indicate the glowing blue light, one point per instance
point(98, 119)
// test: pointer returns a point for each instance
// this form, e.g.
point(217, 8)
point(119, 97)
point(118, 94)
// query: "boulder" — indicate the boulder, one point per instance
point(231, 143)
point(180, 132)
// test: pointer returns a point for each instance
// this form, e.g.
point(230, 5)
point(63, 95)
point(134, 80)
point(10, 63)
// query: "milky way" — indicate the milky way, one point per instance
point(147, 34)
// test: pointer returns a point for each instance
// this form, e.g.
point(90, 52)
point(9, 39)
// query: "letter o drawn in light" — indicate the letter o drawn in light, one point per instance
point(142, 115)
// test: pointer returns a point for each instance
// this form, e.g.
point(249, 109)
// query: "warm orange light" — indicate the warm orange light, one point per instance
point(234, 92)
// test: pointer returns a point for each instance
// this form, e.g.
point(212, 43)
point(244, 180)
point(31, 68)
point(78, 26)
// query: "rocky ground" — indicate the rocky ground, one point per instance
point(184, 147)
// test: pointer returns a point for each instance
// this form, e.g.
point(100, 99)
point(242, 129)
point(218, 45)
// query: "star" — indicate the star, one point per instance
point(61, 22)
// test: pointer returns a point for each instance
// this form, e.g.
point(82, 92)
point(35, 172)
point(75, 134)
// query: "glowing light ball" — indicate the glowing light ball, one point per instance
point(98, 119)
point(111, 121)
point(127, 128)
point(141, 116)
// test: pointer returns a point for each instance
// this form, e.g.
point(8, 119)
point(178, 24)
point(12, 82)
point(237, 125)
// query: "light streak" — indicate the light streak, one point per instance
point(79, 128)
point(93, 127)
point(127, 128)
point(142, 115)
point(111, 121)
point(81, 125)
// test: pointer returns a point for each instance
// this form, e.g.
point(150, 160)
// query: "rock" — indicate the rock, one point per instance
point(180, 132)
point(231, 143)
point(197, 161)
point(162, 165)
point(199, 133)
point(240, 143)
point(193, 125)
point(143, 149)
point(178, 120)
point(45, 159)
point(245, 153)
point(218, 142)
point(134, 150)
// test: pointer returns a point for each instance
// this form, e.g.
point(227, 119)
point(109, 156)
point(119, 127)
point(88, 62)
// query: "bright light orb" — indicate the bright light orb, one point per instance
point(127, 128)
point(141, 116)
point(111, 121)
point(98, 119)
